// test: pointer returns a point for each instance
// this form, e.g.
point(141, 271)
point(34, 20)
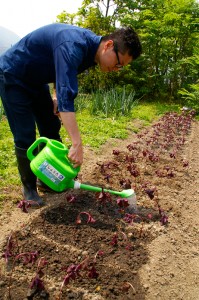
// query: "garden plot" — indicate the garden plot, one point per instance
point(85, 245)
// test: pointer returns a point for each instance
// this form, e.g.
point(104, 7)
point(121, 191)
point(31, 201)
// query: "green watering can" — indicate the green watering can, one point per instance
point(52, 166)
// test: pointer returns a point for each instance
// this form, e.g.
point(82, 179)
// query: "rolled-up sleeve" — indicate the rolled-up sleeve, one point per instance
point(67, 56)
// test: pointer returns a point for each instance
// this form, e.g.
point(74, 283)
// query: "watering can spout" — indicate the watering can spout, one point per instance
point(123, 194)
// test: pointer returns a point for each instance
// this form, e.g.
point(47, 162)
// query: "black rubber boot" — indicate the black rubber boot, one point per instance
point(28, 179)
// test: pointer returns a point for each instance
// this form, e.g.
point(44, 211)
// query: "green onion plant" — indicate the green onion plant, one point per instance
point(112, 103)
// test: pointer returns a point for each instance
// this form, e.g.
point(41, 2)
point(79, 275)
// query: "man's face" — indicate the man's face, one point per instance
point(112, 60)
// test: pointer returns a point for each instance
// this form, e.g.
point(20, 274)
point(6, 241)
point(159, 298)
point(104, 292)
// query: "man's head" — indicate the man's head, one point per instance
point(118, 49)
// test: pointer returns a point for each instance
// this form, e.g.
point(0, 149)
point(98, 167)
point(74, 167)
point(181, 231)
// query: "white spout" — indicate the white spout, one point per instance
point(77, 185)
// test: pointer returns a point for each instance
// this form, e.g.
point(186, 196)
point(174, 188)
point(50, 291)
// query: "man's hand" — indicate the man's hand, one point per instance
point(76, 155)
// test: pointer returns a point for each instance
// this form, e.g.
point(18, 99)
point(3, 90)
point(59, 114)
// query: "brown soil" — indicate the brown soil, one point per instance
point(145, 259)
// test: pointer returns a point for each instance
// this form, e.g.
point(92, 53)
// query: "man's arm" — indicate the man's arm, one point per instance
point(70, 124)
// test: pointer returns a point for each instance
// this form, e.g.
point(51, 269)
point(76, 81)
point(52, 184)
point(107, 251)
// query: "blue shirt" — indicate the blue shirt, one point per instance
point(53, 53)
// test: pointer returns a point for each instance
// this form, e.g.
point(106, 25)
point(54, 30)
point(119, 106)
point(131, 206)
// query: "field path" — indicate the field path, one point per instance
point(173, 270)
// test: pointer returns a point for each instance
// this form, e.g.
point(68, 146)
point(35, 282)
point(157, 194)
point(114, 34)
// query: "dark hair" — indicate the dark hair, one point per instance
point(126, 40)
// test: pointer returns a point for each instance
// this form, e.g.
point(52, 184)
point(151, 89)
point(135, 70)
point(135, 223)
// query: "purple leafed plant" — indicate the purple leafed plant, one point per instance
point(37, 283)
point(123, 203)
point(132, 147)
point(24, 205)
point(73, 271)
point(150, 192)
point(107, 177)
point(132, 168)
point(70, 198)
point(108, 165)
point(90, 219)
point(125, 183)
point(126, 286)
point(116, 239)
point(172, 155)
point(116, 152)
point(92, 272)
point(103, 198)
point(185, 163)
point(163, 216)
point(130, 159)
point(130, 218)
point(26, 258)
point(11, 247)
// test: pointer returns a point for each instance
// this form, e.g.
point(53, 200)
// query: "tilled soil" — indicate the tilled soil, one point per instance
point(151, 254)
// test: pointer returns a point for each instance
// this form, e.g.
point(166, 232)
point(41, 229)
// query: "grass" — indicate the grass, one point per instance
point(8, 168)
point(95, 131)
point(101, 129)
point(151, 111)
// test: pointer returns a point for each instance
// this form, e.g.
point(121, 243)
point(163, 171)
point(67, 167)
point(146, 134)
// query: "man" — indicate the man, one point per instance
point(54, 53)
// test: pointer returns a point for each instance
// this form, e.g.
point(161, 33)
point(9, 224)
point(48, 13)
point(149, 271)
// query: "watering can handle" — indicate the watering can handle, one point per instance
point(30, 150)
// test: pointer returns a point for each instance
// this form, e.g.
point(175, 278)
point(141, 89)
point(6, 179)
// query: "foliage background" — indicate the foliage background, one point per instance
point(168, 67)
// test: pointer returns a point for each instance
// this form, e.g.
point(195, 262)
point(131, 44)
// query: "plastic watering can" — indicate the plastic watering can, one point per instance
point(52, 166)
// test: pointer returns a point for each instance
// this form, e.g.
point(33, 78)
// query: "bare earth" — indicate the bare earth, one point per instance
point(149, 261)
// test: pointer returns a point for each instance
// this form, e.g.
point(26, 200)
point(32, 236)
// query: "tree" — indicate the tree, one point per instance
point(169, 36)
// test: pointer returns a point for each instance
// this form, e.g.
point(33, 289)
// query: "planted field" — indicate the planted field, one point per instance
point(85, 245)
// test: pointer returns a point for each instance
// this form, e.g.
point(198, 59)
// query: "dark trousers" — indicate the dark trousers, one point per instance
point(27, 108)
